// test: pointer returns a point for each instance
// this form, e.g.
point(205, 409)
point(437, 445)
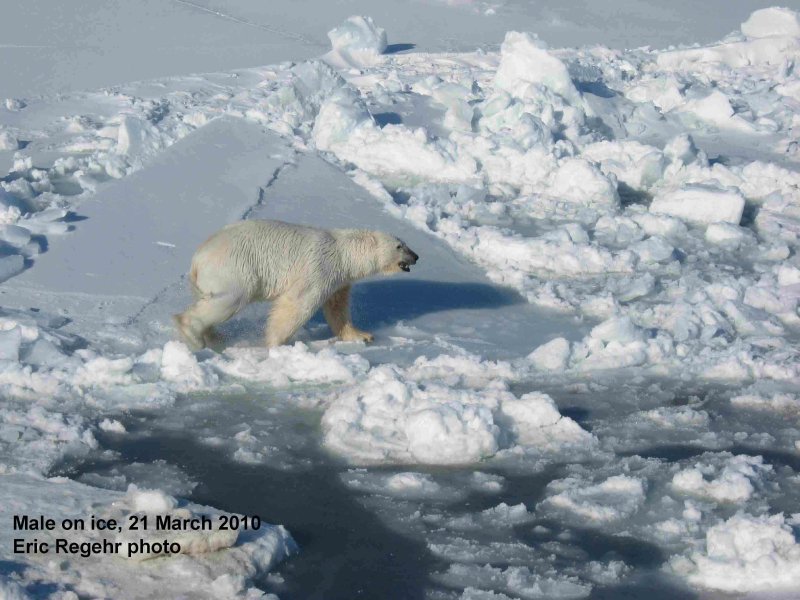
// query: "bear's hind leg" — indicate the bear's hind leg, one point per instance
point(289, 313)
point(337, 313)
point(196, 323)
point(212, 338)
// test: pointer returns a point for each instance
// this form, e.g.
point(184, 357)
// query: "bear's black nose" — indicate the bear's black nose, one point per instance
point(414, 257)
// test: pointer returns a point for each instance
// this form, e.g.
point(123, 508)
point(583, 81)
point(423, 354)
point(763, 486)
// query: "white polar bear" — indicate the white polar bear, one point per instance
point(299, 268)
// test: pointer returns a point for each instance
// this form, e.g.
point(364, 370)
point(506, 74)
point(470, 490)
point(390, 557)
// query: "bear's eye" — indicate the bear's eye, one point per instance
point(399, 246)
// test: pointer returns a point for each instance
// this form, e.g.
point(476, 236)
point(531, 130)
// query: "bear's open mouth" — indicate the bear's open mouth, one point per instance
point(404, 267)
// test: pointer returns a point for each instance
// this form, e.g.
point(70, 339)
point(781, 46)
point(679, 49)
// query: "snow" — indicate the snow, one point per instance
point(595, 356)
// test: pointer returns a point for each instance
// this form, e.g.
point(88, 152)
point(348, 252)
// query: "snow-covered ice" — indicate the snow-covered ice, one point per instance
point(588, 385)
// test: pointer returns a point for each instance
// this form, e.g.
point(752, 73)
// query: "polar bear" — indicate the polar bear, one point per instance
point(297, 267)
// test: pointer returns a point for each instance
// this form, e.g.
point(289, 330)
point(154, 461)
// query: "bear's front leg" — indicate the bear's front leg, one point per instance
point(337, 314)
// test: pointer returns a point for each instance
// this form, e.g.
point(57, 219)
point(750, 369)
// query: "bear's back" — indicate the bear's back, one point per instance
point(271, 255)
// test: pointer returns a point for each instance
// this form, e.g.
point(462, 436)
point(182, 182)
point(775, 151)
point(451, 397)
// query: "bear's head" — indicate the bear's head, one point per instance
point(393, 254)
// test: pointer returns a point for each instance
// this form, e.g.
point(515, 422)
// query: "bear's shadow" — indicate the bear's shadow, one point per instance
point(377, 303)
point(381, 303)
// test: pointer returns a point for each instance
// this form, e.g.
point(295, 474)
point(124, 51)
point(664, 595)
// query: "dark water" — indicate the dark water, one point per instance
point(346, 551)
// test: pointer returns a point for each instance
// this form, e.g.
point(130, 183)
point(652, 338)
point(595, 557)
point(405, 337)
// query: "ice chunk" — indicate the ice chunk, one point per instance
point(390, 419)
point(682, 150)
point(524, 60)
point(134, 136)
point(771, 39)
point(552, 356)
point(10, 266)
point(745, 554)
point(112, 425)
point(15, 235)
point(358, 40)
point(180, 367)
point(618, 329)
point(638, 165)
point(700, 204)
point(729, 481)
point(44, 353)
point(8, 141)
point(617, 497)
point(578, 181)
point(770, 22)
point(413, 484)
point(653, 250)
point(10, 341)
point(774, 401)
point(339, 117)
point(534, 421)
point(725, 234)
point(663, 91)
point(99, 371)
point(15, 104)
point(788, 275)
point(285, 365)
point(714, 108)
point(11, 590)
point(150, 501)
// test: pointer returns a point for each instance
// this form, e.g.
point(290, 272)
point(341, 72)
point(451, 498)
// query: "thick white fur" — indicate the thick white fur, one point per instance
point(298, 268)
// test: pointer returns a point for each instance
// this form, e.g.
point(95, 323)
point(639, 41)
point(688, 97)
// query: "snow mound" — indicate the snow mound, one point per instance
point(745, 554)
point(770, 22)
point(389, 418)
point(700, 204)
